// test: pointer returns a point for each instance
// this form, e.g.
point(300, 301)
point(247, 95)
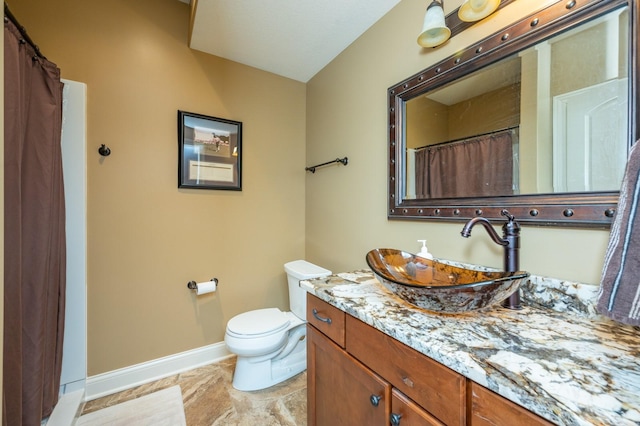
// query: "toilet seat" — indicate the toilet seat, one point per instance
point(260, 332)
point(258, 323)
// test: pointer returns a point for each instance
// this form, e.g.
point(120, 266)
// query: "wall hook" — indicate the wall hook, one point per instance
point(104, 150)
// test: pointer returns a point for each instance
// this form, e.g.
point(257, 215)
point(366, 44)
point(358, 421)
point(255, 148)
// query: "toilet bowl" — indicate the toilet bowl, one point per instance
point(270, 344)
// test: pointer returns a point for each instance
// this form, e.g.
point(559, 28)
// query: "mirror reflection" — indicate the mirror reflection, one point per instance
point(549, 119)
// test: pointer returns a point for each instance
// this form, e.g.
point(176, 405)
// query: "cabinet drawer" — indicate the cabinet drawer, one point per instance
point(490, 409)
point(409, 413)
point(326, 318)
point(438, 389)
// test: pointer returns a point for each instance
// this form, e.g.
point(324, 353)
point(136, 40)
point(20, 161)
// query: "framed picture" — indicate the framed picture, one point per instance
point(209, 152)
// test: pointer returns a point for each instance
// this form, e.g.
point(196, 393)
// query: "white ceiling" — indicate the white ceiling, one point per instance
point(291, 38)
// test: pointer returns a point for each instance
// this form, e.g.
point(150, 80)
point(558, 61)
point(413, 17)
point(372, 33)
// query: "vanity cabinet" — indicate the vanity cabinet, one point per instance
point(436, 388)
point(357, 375)
point(341, 390)
point(488, 409)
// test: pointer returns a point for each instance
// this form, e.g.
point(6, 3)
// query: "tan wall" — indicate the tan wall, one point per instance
point(572, 70)
point(426, 122)
point(147, 238)
point(346, 206)
point(2, 230)
point(430, 122)
point(491, 111)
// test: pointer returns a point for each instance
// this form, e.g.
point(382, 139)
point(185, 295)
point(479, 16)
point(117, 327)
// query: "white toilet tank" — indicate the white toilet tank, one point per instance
point(298, 270)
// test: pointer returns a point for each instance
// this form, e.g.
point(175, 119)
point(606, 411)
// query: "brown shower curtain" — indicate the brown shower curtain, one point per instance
point(34, 233)
point(480, 166)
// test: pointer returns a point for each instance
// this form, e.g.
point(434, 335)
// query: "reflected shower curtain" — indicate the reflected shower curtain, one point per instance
point(476, 167)
point(34, 233)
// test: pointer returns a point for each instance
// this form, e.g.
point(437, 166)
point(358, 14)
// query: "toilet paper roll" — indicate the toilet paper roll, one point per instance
point(206, 287)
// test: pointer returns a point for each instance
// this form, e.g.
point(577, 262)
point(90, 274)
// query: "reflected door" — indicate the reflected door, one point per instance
point(590, 130)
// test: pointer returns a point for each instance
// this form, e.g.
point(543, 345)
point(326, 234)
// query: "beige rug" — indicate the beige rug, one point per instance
point(162, 408)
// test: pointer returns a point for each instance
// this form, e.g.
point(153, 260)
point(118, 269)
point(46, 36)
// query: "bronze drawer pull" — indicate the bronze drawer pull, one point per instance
point(319, 318)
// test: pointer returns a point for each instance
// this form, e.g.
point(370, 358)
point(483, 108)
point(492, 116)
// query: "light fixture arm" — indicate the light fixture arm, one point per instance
point(434, 29)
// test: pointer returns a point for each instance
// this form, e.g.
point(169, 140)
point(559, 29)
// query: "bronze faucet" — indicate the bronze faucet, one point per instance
point(510, 241)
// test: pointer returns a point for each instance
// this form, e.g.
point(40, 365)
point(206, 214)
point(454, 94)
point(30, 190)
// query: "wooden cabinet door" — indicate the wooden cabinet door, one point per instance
point(490, 409)
point(340, 390)
point(438, 389)
point(405, 412)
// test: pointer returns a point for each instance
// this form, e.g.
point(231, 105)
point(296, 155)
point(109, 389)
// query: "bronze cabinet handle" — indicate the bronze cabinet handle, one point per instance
point(395, 419)
point(375, 400)
point(319, 318)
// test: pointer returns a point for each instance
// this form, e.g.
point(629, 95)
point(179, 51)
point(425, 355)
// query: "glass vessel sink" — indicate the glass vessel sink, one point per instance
point(439, 287)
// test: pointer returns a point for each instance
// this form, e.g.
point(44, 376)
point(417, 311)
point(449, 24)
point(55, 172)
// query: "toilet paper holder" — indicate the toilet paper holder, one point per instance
point(192, 285)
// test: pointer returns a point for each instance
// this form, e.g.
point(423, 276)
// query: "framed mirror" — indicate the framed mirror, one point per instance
point(537, 119)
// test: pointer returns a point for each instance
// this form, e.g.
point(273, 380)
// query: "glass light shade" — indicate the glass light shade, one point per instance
point(475, 10)
point(434, 30)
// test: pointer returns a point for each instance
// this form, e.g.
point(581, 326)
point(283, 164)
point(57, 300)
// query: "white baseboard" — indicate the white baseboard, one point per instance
point(139, 374)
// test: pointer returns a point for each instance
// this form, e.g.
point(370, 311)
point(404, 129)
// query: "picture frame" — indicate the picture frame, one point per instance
point(209, 152)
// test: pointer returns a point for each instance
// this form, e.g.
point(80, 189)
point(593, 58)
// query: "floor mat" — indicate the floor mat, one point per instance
point(161, 408)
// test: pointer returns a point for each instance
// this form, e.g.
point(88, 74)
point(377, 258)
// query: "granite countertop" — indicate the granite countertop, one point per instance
point(556, 357)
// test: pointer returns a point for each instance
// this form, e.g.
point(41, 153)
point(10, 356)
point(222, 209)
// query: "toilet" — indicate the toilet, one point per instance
point(270, 344)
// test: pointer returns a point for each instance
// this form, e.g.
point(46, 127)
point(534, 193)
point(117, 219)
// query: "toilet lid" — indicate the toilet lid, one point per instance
point(260, 321)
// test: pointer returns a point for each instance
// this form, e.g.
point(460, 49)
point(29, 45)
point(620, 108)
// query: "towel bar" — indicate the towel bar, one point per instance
point(312, 169)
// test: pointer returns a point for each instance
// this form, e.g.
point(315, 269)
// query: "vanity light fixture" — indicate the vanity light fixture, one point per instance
point(475, 10)
point(434, 30)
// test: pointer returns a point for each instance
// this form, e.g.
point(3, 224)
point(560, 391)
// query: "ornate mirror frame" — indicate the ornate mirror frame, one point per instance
point(584, 209)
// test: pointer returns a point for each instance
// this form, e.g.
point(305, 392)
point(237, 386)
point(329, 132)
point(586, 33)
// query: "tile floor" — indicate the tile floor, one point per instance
point(210, 399)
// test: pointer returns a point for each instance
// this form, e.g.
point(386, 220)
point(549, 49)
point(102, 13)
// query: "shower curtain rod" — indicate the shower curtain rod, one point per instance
point(466, 138)
point(23, 32)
